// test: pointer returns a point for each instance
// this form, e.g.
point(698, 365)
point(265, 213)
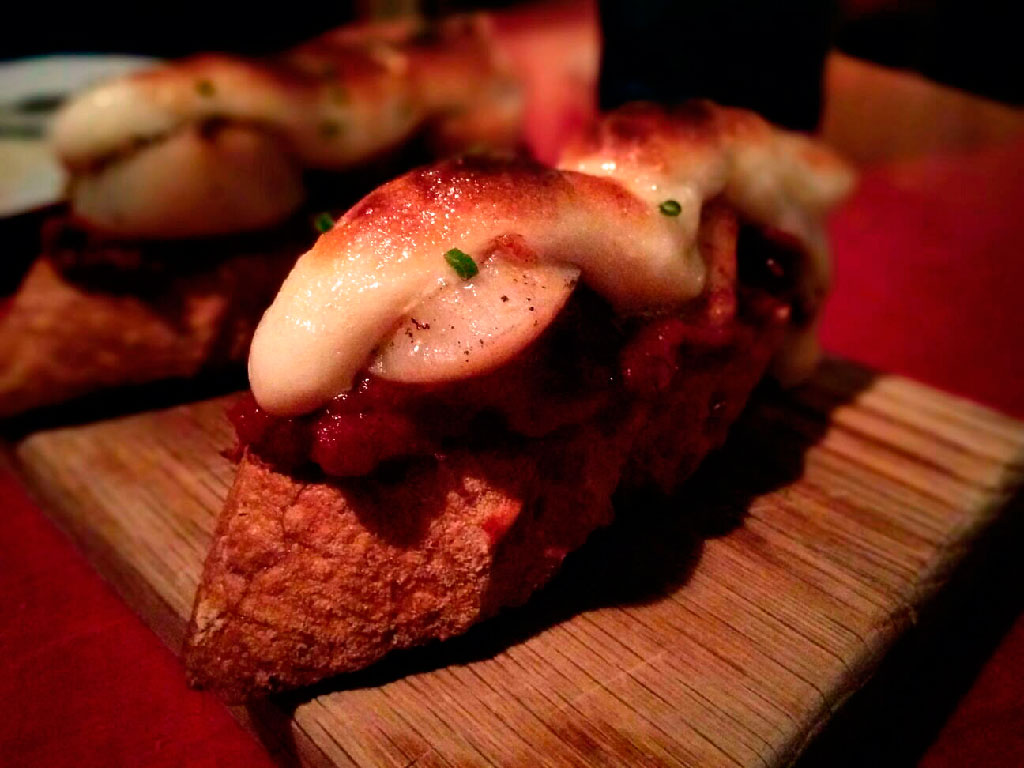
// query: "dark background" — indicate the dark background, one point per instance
point(971, 44)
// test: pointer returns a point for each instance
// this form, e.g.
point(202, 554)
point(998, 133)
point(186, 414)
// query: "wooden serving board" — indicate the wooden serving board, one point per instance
point(724, 629)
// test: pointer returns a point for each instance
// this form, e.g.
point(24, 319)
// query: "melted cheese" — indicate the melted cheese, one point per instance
point(386, 257)
point(235, 174)
point(333, 103)
point(473, 326)
point(348, 300)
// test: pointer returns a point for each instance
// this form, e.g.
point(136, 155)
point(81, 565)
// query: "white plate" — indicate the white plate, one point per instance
point(30, 176)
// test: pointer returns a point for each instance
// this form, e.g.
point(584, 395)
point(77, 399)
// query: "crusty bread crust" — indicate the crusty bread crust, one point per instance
point(64, 336)
point(311, 578)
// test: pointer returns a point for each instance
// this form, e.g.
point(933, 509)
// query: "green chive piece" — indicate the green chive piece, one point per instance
point(670, 208)
point(323, 222)
point(462, 263)
point(205, 88)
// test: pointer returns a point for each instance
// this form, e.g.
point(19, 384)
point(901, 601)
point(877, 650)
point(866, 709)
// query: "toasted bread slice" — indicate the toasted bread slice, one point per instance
point(71, 329)
point(310, 578)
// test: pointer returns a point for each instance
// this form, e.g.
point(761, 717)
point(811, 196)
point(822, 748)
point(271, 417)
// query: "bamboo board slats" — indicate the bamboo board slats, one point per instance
point(724, 630)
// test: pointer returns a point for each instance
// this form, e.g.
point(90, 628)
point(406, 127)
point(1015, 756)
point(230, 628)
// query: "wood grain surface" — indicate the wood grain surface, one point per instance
point(720, 628)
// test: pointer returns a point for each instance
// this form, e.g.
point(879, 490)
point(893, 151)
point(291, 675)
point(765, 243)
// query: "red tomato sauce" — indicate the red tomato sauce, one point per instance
point(588, 363)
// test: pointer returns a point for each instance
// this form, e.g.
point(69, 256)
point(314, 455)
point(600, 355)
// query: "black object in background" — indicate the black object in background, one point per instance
point(970, 44)
point(166, 30)
point(750, 53)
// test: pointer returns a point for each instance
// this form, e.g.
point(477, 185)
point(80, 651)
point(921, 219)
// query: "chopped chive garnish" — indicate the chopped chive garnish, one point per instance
point(670, 208)
point(462, 263)
point(323, 222)
point(205, 88)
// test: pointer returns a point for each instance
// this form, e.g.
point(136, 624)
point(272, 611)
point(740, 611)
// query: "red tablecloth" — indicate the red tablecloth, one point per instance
point(929, 273)
point(929, 276)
